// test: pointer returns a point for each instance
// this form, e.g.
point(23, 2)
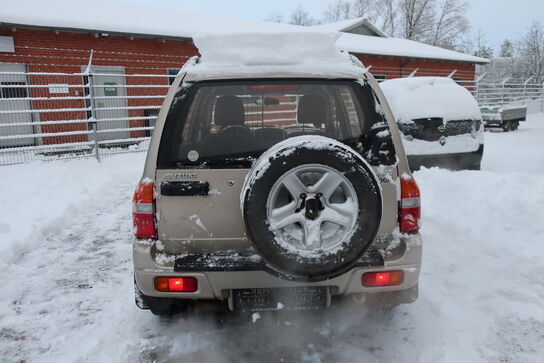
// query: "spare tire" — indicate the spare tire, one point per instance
point(311, 207)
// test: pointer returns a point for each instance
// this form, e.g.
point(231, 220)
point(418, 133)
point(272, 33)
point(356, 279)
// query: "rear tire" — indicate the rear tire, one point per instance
point(506, 126)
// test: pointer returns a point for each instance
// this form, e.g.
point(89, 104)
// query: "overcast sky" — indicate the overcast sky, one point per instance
point(498, 19)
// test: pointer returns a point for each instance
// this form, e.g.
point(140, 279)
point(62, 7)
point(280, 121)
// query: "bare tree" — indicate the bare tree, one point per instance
point(275, 18)
point(299, 16)
point(387, 14)
point(417, 19)
point(532, 50)
point(451, 24)
point(367, 9)
point(338, 10)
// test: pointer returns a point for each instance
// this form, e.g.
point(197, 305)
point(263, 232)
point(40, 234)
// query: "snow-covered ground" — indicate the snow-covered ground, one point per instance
point(66, 280)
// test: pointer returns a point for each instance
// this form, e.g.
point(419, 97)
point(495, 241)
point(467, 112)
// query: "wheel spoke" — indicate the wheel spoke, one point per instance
point(312, 233)
point(347, 208)
point(328, 183)
point(294, 185)
point(336, 217)
point(288, 219)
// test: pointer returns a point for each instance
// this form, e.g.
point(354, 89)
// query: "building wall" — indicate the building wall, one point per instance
point(395, 67)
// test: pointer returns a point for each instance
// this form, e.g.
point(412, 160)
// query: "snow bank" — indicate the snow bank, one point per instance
point(236, 54)
point(421, 97)
point(48, 197)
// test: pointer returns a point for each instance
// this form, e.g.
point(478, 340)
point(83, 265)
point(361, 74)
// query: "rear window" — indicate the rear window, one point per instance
point(229, 124)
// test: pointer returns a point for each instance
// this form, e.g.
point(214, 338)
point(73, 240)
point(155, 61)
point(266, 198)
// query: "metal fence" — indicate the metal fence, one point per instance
point(102, 110)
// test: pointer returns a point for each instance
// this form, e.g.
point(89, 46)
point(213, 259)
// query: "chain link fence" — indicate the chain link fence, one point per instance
point(104, 110)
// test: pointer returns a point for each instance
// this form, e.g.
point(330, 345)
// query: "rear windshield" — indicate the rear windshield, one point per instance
point(229, 124)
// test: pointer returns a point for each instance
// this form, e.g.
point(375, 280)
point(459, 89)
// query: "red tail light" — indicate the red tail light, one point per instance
point(410, 206)
point(386, 278)
point(143, 211)
point(176, 284)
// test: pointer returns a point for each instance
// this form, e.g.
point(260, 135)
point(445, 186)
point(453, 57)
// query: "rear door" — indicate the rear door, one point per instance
point(205, 156)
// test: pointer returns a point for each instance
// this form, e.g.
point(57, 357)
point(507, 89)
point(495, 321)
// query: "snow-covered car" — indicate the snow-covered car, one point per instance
point(439, 120)
point(275, 179)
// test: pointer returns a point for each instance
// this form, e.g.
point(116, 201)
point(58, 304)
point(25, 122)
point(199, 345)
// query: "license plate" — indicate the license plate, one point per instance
point(285, 298)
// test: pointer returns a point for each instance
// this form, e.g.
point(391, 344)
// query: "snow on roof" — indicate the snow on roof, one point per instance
point(290, 54)
point(397, 47)
point(339, 25)
point(347, 25)
point(132, 18)
point(421, 97)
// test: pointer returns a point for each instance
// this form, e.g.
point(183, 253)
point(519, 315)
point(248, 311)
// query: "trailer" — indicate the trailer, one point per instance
point(506, 117)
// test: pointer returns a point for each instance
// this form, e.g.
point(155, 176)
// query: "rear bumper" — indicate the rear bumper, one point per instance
point(217, 283)
point(456, 161)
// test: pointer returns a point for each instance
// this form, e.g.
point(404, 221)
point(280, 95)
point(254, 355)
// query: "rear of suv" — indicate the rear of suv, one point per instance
point(275, 189)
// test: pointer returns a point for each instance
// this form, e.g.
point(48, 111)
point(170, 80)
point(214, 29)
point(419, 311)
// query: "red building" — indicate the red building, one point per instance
point(43, 62)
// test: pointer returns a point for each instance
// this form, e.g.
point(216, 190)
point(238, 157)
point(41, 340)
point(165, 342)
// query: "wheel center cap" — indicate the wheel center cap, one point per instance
point(313, 206)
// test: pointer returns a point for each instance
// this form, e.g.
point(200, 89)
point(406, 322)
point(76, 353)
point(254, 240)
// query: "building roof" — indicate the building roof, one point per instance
point(360, 26)
point(137, 19)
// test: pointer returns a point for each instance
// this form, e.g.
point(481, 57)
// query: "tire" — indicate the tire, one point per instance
point(514, 126)
point(506, 126)
point(307, 155)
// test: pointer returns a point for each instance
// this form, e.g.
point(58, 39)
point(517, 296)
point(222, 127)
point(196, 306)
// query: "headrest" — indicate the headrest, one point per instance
point(229, 111)
point(313, 109)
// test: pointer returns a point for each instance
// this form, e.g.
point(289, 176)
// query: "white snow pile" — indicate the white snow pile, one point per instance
point(238, 54)
point(422, 97)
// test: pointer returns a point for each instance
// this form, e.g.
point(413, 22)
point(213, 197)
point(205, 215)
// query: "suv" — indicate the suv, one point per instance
point(440, 122)
point(275, 186)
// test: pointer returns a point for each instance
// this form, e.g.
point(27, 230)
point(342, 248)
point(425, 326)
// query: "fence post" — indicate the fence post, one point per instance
point(525, 86)
point(502, 89)
point(93, 121)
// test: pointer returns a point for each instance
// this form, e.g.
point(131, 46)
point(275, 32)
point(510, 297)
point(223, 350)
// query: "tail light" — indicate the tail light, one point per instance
point(143, 211)
point(176, 284)
point(383, 278)
point(410, 205)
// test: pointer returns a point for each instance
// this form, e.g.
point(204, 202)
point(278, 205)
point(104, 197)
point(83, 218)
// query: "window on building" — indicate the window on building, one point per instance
point(13, 92)
point(380, 77)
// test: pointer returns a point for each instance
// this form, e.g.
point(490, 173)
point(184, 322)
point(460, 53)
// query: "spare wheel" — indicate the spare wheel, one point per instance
point(311, 207)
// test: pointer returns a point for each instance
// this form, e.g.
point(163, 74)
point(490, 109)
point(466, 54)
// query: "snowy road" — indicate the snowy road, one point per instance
point(66, 281)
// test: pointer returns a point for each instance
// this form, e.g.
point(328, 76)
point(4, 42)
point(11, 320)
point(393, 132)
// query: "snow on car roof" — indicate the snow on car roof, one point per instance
point(132, 18)
point(244, 55)
point(422, 97)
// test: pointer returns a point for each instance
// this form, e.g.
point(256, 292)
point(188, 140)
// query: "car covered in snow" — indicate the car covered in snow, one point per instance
point(275, 179)
point(439, 120)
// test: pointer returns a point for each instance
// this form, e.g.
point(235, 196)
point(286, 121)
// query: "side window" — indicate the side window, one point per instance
point(378, 147)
